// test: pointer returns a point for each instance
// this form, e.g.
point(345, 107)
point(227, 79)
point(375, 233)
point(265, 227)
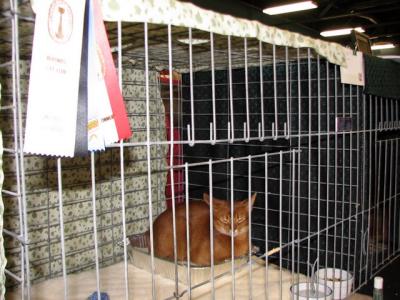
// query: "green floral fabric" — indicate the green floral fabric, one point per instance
point(42, 189)
point(188, 15)
point(3, 260)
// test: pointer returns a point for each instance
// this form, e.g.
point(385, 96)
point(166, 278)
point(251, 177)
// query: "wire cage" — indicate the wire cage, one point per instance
point(241, 117)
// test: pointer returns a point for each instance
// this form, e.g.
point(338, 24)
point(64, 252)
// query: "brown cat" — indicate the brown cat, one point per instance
point(199, 224)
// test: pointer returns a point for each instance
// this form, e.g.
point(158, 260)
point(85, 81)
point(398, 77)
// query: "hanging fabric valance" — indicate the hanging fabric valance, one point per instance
point(188, 15)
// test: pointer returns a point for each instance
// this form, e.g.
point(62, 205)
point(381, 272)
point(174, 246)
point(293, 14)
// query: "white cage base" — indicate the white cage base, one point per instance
point(83, 284)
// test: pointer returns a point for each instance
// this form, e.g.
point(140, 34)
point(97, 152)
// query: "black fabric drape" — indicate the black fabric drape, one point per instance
point(382, 77)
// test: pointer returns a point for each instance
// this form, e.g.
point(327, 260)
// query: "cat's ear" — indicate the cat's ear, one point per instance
point(206, 198)
point(216, 202)
point(253, 199)
point(245, 203)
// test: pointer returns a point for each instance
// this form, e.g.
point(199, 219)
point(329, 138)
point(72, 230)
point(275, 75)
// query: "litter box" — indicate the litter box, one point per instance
point(140, 258)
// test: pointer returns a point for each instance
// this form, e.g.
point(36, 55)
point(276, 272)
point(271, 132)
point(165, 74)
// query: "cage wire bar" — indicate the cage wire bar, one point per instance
point(20, 235)
point(252, 118)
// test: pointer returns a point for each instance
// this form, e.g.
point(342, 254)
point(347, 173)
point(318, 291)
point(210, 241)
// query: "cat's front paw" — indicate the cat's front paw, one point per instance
point(255, 249)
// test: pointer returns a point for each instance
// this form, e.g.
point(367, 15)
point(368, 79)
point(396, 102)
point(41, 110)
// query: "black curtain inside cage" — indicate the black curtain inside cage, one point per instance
point(203, 116)
point(318, 113)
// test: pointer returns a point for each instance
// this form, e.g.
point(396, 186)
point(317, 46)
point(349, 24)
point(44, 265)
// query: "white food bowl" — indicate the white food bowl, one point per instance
point(340, 281)
point(304, 291)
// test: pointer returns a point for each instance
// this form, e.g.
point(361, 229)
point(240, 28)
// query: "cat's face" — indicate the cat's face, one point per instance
point(222, 215)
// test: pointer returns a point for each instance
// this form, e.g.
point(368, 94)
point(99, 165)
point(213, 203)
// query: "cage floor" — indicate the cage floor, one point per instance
point(81, 285)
